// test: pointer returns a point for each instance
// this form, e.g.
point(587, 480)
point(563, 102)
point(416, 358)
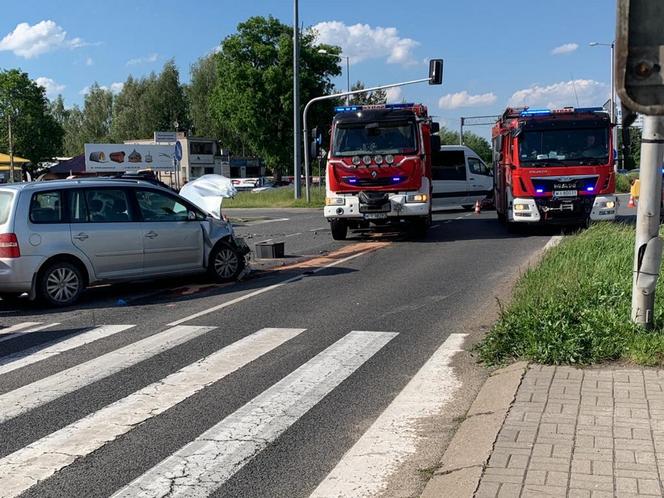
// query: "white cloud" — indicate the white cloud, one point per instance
point(361, 42)
point(394, 95)
point(464, 99)
point(565, 49)
point(564, 93)
point(115, 88)
point(52, 88)
point(30, 41)
point(89, 61)
point(143, 60)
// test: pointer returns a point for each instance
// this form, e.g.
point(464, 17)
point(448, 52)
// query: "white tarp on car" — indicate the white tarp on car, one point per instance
point(208, 191)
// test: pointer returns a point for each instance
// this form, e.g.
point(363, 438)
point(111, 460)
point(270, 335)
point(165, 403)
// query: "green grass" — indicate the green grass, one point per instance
point(276, 198)
point(574, 307)
point(623, 183)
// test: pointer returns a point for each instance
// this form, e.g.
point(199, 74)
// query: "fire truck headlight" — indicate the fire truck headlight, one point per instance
point(521, 207)
point(417, 198)
point(610, 204)
point(335, 201)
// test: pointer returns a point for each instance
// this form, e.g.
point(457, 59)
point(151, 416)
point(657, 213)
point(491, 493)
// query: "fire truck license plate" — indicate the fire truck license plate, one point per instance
point(564, 193)
point(375, 216)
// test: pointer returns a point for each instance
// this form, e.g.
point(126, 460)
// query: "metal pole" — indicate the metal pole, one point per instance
point(305, 131)
point(648, 246)
point(11, 150)
point(347, 79)
point(461, 132)
point(296, 102)
point(614, 129)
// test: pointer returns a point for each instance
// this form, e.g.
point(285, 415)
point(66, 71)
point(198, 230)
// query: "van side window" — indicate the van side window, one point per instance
point(107, 206)
point(46, 207)
point(477, 167)
point(448, 165)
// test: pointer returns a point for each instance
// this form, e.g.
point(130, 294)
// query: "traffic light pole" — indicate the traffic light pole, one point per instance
point(648, 247)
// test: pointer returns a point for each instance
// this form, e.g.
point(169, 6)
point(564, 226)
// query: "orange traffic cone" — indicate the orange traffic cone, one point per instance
point(478, 208)
point(630, 203)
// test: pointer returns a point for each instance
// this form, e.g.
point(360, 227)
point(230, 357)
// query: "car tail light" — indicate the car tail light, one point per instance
point(9, 246)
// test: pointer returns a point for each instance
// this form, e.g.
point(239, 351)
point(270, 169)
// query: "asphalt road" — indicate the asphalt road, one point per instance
point(340, 370)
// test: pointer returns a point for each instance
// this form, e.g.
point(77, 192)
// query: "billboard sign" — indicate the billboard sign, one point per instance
point(128, 157)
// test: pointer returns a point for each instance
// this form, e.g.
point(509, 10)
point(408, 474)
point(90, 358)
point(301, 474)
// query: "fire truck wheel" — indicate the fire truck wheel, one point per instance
point(339, 229)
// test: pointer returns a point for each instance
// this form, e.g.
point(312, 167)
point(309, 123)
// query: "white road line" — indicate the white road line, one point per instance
point(18, 326)
point(206, 463)
point(38, 393)
point(38, 353)
point(264, 241)
point(6, 337)
point(364, 470)
point(292, 235)
point(41, 459)
point(319, 229)
point(434, 226)
point(553, 242)
point(262, 222)
point(262, 291)
point(459, 218)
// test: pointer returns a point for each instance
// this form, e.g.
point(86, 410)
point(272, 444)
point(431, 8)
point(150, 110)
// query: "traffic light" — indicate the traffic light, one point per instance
point(638, 59)
point(314, 141)
point(435, 71)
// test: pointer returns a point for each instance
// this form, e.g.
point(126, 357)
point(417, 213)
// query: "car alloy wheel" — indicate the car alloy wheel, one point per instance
point(226, 262)
point(61, 284)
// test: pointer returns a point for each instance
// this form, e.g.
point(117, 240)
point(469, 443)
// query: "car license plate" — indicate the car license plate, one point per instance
point(564, 193)
point(375, 216)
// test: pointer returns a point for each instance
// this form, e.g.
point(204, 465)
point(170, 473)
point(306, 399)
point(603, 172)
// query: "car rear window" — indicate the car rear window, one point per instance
point(46, 207)
point(5, 206)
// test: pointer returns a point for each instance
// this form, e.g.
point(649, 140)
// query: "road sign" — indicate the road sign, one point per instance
point(165, 136)
point(178, 150)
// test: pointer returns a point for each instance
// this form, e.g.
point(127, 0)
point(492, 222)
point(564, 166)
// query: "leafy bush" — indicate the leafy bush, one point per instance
point(623, 183)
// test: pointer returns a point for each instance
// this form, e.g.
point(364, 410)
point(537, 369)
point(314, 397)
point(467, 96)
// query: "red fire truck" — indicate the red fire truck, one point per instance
point(554, 166)
point(379, 167)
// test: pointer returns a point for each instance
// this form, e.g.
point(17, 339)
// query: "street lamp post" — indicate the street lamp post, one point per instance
point(297, 124)
point(325, 52)
point(613, 94)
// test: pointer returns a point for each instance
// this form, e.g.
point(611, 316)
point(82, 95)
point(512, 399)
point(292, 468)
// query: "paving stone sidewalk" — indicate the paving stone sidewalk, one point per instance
point(595, 432)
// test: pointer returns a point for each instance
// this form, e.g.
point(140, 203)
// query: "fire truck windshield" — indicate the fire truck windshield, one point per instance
point(375, 138)
point(564, 147)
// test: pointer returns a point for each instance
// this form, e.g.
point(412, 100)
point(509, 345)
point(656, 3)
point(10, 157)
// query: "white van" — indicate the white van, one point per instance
point(460, 177)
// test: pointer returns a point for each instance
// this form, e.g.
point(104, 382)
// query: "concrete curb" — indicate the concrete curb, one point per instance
point(462, 465)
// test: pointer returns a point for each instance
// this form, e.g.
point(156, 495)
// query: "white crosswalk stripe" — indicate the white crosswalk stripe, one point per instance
point(38, 393)
point(39, 460)
point(364, 470)
point(40, 352)
point(211, 459)
point(22, 329)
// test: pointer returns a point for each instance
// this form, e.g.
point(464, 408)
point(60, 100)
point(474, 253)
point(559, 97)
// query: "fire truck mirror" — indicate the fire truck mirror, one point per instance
point(436, 71)
point(639, 53)
point(435, 142)
point(435, 127)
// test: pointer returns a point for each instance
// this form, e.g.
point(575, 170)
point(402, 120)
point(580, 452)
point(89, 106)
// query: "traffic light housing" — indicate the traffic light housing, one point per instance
point(640, 55)
point(436, 71)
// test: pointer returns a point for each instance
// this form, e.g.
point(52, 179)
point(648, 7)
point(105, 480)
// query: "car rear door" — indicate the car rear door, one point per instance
point(450, 182)
point(172, 233)
point(104, 227)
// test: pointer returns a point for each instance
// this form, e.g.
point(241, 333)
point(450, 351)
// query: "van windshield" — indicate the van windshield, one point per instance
point(5, 205)
point(397, 137)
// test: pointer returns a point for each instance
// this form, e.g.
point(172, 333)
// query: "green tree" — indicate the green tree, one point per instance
point(633, 158)
point(479, 144)
point(97, 115)
point(253, 93)
point(370, 98)
point(204, 77)
point(37, 136)
point(130, 110)
point(74, 139)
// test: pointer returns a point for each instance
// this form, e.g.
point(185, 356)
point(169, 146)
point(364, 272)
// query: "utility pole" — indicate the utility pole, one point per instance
point(648, 247)
point(11, 149)
point(297, 127)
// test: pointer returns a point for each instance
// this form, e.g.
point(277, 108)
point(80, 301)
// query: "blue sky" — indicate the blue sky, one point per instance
point(495, 52)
